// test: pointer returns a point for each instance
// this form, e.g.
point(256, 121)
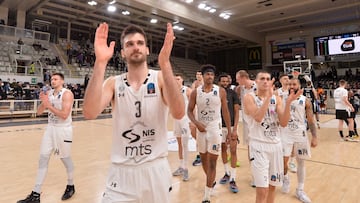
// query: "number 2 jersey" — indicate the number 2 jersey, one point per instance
point(139, 121)
point(209, 107)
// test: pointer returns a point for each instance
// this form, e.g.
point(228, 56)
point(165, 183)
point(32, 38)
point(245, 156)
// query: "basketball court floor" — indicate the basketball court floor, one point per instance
point(333, 173)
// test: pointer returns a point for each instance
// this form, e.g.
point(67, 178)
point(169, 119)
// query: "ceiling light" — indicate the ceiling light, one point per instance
point(125, 13)
point(207, 8)
point(112, 2)
point(153, 21)
point(92, 3)
point(189, 1)
point(224, 15)
point(213, 10)
point(111, 8)
point(202, 6)
point(177, 27)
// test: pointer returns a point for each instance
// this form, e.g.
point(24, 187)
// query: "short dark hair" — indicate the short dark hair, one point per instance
point(180, 75)
point(223, 75)
point(206, 67)
point(132, 29)
point(283, 75)
point(265, 72)
point(59, 74)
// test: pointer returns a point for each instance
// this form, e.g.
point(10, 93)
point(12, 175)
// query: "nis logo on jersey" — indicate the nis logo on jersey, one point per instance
point(137, 139)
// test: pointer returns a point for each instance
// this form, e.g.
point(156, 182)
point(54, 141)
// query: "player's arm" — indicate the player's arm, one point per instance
point(98, 93)
point(188, 93)
point(225, 109)
point(251, 109)
point(284, 113)
point(167, 83)
point(190, 112)
point(311, 122)
point(236, 103)
point(67, 103)
point(346, 101)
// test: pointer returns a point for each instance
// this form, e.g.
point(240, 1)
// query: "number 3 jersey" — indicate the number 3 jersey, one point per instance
point(139, 122)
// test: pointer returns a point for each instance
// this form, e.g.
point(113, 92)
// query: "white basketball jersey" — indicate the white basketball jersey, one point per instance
point(245, 90)
point(56, 101)
point(283, 94)
point(139, 122)
point(267, 131)
point(186, 100)
point(339, 94)
point(209, 106)
point(297, 122)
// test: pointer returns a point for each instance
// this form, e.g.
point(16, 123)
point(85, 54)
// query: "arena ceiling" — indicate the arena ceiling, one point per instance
point(250, 20)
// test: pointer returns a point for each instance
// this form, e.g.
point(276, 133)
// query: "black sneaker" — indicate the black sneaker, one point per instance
point(34, 197)
point(69, 192)
point(197, 161)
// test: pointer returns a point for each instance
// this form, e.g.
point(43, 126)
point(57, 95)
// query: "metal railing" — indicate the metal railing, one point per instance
point(28, 108)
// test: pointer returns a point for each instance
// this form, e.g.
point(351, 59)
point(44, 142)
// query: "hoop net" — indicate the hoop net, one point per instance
point(295, 74)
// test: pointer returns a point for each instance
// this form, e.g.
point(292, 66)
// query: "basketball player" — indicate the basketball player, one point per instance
point(234, 107)
point(294, 137)
point(310, 92)
point(264, 112)
point(182, 132)
point(57, 137)
point(245, 86)
point(283, 92)
point(343, 110)
point(139, 171)
point(198, 82)
point(211, 101)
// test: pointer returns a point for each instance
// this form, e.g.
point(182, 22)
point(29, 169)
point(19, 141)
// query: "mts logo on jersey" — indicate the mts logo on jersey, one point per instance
point(348, 45)
point(139, 140)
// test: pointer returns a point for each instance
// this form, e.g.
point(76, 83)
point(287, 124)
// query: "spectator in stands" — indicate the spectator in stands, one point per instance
point(3, 95)
point(20, 42)
point(32, 68)
point(18, 91)
point(76, 91)
point(47, 76)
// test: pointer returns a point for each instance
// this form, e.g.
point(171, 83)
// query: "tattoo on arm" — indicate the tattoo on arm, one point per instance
point(312, 129)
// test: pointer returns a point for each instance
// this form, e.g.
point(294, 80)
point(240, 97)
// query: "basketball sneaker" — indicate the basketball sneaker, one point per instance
point(206, 201)
point(233, 186)
point(178, 172)
point(301, 195)
point(69, 192)
point(292, 166)
point(225, 179)
point(286, 185)
point(34, 197)
point(197, 161)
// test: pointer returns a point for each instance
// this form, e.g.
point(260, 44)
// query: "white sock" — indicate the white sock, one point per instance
point(232, 174)
point(207, 193)
point(227, 168)
point(301, 174)
point(182, 163)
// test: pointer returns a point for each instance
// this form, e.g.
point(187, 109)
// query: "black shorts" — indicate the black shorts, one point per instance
point(342, 114)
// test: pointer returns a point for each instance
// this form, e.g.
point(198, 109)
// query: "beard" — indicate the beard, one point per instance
point(136, 59)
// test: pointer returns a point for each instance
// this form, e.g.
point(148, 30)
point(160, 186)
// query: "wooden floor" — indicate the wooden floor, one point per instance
point(333, 174)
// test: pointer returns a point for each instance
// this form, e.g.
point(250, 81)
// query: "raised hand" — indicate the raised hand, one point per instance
point(164, 55)
point(292, 96)
point(103, 52)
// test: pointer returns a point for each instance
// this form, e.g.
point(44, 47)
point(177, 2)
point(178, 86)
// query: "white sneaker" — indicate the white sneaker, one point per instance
point(286, 185)
point(178, 172)
point(292, 166)
point(301, 195)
